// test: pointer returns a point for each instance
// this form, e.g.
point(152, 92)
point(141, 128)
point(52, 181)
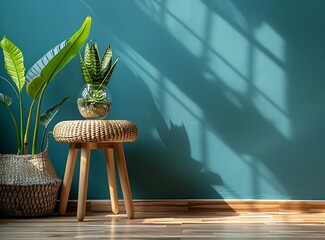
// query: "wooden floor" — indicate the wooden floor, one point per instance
point(169, 225)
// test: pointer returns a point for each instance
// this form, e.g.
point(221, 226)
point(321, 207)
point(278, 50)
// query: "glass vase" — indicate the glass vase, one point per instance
point(94, 101)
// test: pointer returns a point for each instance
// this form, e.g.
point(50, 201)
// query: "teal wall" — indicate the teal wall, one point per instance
point(228, 96)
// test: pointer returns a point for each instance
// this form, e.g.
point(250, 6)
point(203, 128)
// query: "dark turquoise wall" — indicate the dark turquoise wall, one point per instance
point(228, 96)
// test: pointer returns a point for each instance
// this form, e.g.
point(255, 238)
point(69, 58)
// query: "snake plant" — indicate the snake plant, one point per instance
point(36, 82)
point(94, 70)
point(96, 73)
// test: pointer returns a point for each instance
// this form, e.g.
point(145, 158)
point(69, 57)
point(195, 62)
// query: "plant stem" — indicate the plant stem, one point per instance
point(21, 122)
point(17, 131)
point(11, 86)
point(27, 126)
point(37, 119)
point(43, 137)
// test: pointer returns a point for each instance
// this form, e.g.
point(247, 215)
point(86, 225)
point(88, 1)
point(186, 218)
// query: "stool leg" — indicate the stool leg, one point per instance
point(83, 181)
point(124, 178)
point(68, 174)
point(110, 167)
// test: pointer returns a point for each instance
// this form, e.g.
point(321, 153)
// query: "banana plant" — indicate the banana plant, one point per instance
point(38, 79)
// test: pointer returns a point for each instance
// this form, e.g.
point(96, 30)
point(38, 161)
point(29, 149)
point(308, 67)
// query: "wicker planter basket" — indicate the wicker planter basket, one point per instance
point(28, 185)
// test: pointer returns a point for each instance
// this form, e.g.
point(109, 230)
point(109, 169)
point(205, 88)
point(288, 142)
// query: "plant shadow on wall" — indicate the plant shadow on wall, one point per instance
point(164, 160)
point(270, 134)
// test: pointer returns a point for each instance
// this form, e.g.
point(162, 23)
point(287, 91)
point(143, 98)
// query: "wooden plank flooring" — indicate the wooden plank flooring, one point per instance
point(169, 225)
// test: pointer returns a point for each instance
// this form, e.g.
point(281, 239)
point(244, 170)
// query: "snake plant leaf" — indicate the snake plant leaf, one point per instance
point(84, 71)
point(48, 115)
point(106, 61)
point(36, 69)
point(14, 62)
point(92, 62)
point(62, 58)
point(96, 63)
point(110, 72)
point(6, 100)
point(87, 58)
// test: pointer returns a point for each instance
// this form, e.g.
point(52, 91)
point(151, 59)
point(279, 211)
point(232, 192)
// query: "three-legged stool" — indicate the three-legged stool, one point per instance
point(96, 134)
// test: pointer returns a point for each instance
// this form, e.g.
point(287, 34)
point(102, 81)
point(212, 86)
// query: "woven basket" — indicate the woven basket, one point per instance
point(28, 185)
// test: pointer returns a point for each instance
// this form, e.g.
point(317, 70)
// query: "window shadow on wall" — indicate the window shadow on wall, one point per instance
point(296, 161)
point(287, 154)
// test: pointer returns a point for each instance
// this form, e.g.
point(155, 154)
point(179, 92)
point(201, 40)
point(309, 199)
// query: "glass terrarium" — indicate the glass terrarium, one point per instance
point(94, 101)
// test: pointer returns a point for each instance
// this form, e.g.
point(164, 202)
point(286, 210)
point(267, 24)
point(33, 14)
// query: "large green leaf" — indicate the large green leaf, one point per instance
point(34, 73)
point(58, 61)
point(68, 52)
point(6, 100)
point(34, 86)
point(48, 116)
point(36, 69)
point(14, 62)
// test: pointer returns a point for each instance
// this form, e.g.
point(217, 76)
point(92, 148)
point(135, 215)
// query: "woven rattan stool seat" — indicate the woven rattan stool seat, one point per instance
point(88, 135)
point(99, 131)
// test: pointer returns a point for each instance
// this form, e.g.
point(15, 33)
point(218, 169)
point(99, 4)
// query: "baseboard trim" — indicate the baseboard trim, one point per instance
point(207, 206)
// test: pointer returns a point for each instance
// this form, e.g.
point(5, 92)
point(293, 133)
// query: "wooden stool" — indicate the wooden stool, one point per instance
point(95, 134)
